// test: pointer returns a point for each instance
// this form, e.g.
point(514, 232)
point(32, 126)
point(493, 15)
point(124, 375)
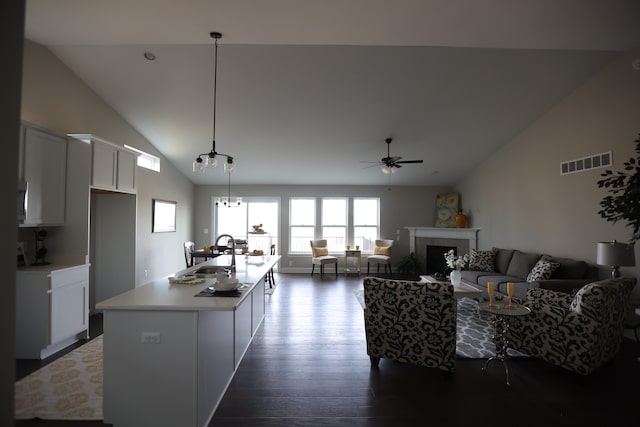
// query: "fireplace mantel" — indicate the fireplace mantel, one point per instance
point(470, 234)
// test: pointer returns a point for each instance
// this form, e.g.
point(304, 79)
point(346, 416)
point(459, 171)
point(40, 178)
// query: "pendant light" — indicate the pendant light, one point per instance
point(210, 158)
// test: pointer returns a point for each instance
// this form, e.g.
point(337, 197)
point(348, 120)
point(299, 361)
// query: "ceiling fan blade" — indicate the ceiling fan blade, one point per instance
point(411, 161)
point(375, 164)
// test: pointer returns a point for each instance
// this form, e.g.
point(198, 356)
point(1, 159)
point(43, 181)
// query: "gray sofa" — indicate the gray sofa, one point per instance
point(526, 270)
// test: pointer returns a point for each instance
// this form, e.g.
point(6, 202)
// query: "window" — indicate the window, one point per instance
point(146, 160)
point(366, 223)
point(238, 221)
point(334, 223)
point(338, 225)
point(302, 224)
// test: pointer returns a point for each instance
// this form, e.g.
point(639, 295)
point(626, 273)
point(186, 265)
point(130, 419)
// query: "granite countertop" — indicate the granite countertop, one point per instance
point(48, 268)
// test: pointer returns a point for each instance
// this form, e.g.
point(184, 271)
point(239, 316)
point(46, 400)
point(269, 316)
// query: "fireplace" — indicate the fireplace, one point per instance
point(462, 240)
point(435, 258)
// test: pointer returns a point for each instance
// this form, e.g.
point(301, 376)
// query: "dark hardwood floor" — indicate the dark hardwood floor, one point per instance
point(308, 365)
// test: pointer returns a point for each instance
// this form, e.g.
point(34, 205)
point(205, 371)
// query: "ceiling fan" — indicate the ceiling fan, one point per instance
point(391, 164)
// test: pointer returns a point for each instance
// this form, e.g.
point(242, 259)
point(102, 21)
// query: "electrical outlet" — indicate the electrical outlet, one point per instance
point(150, 338)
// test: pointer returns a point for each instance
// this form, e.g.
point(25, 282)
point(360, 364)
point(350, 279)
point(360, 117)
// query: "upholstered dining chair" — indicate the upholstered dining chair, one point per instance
point(320, 256)
point(580, 332)
point(189, 247)
point(381, 256)
point(410, 322)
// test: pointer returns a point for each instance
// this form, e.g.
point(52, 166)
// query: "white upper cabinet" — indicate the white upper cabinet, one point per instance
point(43, 173)
point(113, 167)
point(126, 176)
point(105, 164)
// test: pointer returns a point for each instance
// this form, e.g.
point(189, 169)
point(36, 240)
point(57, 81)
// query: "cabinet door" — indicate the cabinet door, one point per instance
point(33, 301)
point(69, 303)
point(44, 170)
point(104, 165)
point(257, 303)
point(127, 162)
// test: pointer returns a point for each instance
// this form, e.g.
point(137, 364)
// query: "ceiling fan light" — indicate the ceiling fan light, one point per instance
point(393, 169)
point(386, 170)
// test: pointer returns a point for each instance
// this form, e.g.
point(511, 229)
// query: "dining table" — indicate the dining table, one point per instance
point(205, 255)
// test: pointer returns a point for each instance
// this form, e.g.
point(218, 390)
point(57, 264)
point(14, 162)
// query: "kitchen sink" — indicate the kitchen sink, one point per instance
point(211, 271)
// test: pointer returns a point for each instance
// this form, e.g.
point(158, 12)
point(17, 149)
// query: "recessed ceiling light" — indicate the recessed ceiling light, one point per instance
point(149, 56)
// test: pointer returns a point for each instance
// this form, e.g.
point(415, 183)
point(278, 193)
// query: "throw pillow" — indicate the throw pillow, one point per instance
point(482, 260)
point(382, 250)
point(320, 252)
point(522, 263)
point(542, 270)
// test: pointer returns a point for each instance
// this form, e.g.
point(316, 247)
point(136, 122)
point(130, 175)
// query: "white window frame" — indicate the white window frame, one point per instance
point(146, 160)
point(333, 242)
point(301, 248)
point(365, 247)
point(261, 241)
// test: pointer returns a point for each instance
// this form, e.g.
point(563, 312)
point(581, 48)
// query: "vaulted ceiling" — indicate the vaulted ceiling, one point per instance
point(308, 89)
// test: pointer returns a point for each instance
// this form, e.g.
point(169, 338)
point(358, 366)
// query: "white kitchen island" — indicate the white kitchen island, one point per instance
point(169, 356)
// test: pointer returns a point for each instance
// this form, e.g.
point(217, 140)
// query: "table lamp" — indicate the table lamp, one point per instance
point(615, 255)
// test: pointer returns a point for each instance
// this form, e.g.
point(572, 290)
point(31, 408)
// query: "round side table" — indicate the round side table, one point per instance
point(502, 315)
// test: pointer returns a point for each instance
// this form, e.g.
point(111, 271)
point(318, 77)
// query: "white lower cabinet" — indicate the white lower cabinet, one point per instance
point(52, 310)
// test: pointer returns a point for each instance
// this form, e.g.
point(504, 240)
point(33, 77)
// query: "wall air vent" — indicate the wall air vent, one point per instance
point(596, 161)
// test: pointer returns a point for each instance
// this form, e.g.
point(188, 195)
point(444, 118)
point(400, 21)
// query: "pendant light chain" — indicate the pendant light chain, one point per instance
point(199, 165)
point(216, 36)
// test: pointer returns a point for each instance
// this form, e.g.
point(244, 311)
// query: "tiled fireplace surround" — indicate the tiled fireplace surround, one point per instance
point(463, 239)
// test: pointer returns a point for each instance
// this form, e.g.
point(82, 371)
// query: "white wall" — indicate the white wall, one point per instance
point(55, 98)
point(518, 197)
point(400, 207)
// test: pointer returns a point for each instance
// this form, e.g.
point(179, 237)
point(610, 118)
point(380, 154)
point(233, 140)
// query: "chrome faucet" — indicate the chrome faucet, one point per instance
point(233, 250)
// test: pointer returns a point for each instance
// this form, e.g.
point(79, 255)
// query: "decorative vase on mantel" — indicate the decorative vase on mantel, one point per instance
point(461, 220)
point(456, 277)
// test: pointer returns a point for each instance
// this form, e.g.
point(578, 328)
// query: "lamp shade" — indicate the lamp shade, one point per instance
point(615, 254)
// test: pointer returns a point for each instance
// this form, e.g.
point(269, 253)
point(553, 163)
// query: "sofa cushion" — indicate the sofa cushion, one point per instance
point(482, 260)
point(502, 259)
point(569, 268)
point(543, 270)
point(473, 276)
point(521, 264)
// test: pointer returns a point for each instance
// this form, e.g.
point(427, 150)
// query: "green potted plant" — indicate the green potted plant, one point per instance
point(623, 201)
point(409, 267)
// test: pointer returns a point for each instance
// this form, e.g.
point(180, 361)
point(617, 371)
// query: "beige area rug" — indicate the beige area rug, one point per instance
point(69, 388)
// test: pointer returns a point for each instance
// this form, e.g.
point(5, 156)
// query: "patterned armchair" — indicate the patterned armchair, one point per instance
point(410, 322)
point(578, 332)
